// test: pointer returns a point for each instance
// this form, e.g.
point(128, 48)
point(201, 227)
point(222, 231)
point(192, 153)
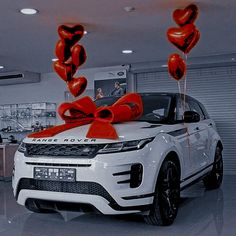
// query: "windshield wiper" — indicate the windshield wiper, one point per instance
point(163, 121)
point(151, 121)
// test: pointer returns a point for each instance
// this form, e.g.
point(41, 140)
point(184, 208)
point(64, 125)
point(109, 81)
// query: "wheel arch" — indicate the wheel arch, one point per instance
point(173, 156)
point(158, 215)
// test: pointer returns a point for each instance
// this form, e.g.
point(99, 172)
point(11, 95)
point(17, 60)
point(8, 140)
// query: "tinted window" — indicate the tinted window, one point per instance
point(181, 107)
point(106, 101)
point(156, 108)
point(195, 107)
point(189, 105)
point(206, 115)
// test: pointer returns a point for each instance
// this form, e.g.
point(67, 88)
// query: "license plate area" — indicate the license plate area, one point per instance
point(55, 174)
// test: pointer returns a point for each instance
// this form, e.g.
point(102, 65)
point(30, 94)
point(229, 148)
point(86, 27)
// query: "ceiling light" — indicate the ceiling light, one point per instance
point(127, 51)
point(54, 59)
point(28, 11)
point(85, 32)
point(129, 8)
point(1, 67)
point(164, 65)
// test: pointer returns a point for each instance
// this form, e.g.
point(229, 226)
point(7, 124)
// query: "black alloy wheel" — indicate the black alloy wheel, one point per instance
point(215, 178)
point(167, 195)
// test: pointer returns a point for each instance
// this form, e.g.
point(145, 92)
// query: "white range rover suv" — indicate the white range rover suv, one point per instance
point(155, 157)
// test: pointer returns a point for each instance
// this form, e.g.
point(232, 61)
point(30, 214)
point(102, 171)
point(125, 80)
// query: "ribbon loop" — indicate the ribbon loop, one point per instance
point(84, 111)
point(128, 107)
point(81, 108)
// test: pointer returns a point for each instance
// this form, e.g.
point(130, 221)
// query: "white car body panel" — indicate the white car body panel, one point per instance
point(194, 144)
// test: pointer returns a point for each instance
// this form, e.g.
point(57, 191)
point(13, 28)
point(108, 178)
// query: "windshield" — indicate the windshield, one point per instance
point(156, 107)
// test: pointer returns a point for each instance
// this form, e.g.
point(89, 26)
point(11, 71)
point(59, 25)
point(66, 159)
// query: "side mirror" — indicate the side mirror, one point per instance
point(191, 117)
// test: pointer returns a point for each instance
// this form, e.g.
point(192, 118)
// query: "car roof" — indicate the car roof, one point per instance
point(157, 93)
point(173, 95)
point(170, 94)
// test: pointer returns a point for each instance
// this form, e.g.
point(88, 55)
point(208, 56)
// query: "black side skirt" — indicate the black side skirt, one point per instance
point(196, 180)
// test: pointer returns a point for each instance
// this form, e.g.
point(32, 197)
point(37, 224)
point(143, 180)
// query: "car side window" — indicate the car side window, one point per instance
point(195, 107)
point(181, 107)
point(205, 113)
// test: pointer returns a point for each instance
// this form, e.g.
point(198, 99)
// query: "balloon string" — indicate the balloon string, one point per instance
point(179, 87)
point(185, 92)
point(181, 100)
point(185, 79)
point(180, 92)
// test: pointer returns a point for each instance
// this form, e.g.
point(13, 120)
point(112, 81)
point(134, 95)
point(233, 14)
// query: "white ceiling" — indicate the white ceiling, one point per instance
point(27, 42)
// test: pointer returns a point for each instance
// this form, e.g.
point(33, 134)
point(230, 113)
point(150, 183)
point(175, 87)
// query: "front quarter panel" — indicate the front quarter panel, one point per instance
point(214, 139)
point(161, 146)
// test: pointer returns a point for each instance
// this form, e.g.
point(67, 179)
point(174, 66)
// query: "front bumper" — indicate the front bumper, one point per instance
point(102, 182)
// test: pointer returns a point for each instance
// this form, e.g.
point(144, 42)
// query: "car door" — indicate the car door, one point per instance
point(199, 133)
point(185, 141)
point(193, 144)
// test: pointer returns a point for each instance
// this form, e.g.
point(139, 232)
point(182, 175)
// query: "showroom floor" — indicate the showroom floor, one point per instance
point(201, 213)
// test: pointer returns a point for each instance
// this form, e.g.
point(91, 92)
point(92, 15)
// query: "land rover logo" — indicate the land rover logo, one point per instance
point(120, 73)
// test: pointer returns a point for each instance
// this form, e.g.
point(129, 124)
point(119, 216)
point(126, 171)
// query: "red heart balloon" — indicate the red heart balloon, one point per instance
point(77, 86)
point(71, 35)
point(65, 71)
point(78, 55)
point(176, 66)
point(184, 38)
point(186, 16)
point(62, 51)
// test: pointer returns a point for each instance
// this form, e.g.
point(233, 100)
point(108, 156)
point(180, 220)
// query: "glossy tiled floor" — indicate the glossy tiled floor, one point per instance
point(201, 212)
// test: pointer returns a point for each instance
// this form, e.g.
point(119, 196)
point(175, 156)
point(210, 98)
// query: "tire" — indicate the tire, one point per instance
point(167, 194)
point(34, 206)
point(214, 179)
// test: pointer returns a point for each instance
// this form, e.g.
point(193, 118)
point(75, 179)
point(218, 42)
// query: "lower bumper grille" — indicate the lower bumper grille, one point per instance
point(63, 150)
point(90, 188)
point(65, 187)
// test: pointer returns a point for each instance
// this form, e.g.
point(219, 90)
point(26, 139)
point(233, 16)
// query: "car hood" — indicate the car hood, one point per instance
point(126, 131)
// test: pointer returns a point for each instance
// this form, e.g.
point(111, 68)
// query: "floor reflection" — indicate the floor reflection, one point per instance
point(201, 213)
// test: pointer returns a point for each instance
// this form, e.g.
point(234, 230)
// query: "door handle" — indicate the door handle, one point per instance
point(197, 129)
point(210, 124)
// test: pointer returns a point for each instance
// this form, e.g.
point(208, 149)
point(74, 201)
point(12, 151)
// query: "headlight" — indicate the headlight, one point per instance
point(125, 146)
point(22, 147)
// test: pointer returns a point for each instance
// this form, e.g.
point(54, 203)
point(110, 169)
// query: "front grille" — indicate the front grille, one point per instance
point(63, 150)
point(91, 188)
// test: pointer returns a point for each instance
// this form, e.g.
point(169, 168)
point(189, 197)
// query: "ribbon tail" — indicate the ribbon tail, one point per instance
point(102, 129)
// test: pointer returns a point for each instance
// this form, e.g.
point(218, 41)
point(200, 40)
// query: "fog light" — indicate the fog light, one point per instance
point(136, 175)
point(13, 172)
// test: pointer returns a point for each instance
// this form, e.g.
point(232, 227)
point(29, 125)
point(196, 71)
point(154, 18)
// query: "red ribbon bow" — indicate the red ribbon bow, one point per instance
point(84, 111)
